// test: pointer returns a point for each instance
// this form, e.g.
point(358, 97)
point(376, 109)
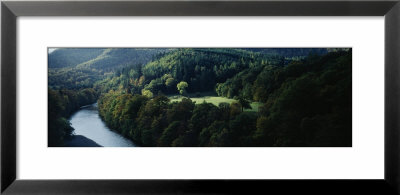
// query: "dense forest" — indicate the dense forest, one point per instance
point(154, 96)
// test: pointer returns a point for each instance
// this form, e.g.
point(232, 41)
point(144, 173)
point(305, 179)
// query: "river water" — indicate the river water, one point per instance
point(88, 123)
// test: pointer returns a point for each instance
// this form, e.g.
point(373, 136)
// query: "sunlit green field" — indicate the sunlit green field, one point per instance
point(214, 100)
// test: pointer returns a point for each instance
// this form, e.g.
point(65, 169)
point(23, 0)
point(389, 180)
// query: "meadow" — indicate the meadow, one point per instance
point(216, 100)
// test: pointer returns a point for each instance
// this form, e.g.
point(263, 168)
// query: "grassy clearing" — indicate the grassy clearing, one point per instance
point(214, 100)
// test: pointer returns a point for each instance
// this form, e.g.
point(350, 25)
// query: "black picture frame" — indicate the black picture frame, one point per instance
point(10, 10)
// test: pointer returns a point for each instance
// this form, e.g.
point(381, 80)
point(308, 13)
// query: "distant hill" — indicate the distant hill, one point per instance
point(112, 59)
point(290, 52)
point(105, 59)
point(67, 57)
point(75, 68)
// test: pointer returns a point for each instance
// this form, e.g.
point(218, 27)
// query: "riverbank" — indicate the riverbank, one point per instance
point(81, 141)
point(87, 123)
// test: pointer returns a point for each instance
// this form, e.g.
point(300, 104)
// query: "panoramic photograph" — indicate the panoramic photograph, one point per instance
point(199, 97)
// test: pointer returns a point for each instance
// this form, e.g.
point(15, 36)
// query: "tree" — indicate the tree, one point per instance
point(147, 93)
point(181, 111)
point(169, 82)
point(155, 85)
point(169, 134)
point(182, 87)
point(234, 109)
point(243, 103)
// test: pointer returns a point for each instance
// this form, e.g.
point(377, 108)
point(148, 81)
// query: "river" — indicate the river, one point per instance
point(88, 123)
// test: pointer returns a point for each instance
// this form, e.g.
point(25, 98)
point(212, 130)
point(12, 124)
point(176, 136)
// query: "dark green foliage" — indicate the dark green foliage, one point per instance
point(306, 103)
point(156, 122)
point(313, 109)
point(170, 134)
point(245, 104)
point(61, 104)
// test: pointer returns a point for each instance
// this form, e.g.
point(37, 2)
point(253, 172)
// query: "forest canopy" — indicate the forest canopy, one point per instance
point(209, 96)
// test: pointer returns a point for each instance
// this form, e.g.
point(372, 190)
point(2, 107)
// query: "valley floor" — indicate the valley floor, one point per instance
point(211, 98)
